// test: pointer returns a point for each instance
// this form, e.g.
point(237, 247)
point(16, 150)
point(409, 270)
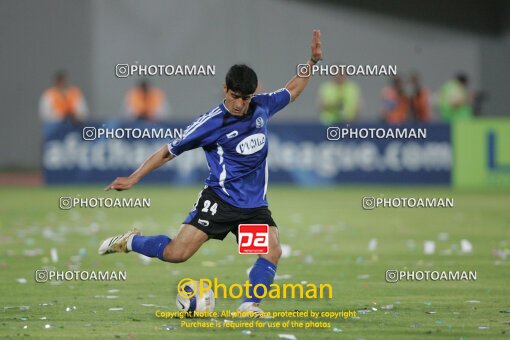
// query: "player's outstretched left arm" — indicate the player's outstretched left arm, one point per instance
point(297, 84)
point(156, 160)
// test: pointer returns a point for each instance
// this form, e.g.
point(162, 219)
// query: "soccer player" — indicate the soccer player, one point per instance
point(233, 136)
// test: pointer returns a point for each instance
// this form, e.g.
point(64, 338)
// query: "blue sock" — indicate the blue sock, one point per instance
point(151, 246)
point(262, 272)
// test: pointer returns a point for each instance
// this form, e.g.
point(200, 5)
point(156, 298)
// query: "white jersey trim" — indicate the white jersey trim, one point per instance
point(223, 174)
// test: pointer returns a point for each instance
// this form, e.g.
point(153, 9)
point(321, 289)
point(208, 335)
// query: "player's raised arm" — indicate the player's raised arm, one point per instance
point(298, 83)
point(156, 160)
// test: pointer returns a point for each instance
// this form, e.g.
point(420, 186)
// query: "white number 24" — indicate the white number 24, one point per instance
point(207, 204)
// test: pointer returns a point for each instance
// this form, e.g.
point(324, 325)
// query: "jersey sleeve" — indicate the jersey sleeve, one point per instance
point(201, 132)
point(275, 101)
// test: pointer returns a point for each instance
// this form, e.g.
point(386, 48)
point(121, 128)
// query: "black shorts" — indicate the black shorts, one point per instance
point(217, 218)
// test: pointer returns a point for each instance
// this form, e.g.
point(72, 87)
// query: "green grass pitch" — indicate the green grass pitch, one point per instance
point(328, 233)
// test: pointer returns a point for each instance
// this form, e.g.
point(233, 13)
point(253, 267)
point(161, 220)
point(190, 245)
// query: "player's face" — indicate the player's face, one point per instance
point(236, 103)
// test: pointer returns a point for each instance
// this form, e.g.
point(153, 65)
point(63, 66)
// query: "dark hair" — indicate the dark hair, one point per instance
point(462, 78)
point(143, 84)
point(241, 78)
point(60, 75)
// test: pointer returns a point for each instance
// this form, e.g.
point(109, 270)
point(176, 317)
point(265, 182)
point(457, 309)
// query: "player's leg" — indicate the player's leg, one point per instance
point(275, 251)
point(188, 240)
point(185, 244)
point(262, 272)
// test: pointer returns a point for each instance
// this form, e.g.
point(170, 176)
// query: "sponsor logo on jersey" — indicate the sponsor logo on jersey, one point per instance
point(259, 122)
point(251, 144)
point(232, 134)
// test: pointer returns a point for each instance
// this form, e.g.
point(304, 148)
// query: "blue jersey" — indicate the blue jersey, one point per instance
point(236, 148)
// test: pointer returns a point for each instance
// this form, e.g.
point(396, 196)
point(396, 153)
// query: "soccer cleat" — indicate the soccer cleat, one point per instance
point(252, 309)
point(117, 244)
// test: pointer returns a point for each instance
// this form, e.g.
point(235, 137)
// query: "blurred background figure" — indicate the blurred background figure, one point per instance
point(146, 103)
point(395, 102)
point(455, 100)
point(419, 100)
point(339, 100)
point(63, 102)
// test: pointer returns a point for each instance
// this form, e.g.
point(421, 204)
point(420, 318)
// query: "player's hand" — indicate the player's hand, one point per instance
point(316, 45)
point(121, 183)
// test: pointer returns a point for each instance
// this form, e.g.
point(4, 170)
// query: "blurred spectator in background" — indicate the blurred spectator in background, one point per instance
point(395, 102)
point(146, 102)
point(339, 100)
point(455, 99)
point(419, 100)
point(63, 102)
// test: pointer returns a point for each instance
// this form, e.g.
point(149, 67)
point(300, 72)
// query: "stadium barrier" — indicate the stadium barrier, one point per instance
point(303, 154)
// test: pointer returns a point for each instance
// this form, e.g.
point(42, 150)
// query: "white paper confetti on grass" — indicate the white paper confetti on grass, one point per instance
point(115, 309)
point(466, 247)
point(144, 259)
point(282, 277)
point(21, 280)
point(54, 255)
point(286, 250)
point(429, 247)
point(17, 307)
point(46, 304)
point(372, 245)
point(502, 254)
point(287, 336)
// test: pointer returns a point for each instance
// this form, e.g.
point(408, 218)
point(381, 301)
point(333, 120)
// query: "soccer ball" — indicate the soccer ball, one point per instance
point(197, 302)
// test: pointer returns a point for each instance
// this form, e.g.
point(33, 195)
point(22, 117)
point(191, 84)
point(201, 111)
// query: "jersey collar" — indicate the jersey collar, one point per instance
point(228, 114)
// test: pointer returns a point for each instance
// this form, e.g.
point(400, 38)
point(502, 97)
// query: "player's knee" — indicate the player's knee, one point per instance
point(277, 252)
point(274, 254)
